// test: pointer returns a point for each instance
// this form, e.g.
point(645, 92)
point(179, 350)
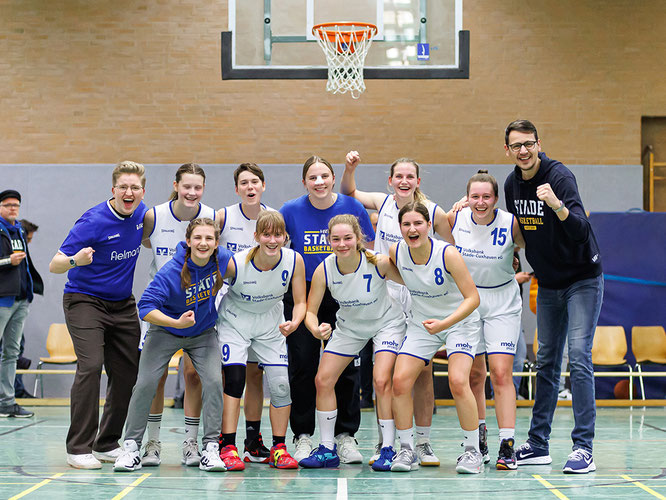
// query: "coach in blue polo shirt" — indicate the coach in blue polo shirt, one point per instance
point(100, 254)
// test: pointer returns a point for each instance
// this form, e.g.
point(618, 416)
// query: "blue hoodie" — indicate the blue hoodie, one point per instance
point(166, 294)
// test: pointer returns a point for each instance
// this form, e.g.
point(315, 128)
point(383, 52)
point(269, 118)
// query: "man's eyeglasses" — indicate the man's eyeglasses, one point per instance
point(135, 189)
point(11, 205)
point(516, 146)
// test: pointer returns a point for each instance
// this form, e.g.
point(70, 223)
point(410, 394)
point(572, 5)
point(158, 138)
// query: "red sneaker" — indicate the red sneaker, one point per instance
point(281, 459)
point(229, 455)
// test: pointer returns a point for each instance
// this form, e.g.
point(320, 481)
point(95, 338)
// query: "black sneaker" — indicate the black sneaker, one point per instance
point(15, 411)
point(483, 443)
point(507, 456)
point(256, 452)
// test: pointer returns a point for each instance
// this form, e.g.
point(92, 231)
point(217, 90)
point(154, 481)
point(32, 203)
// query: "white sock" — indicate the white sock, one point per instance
point(326, 420)
point(406, 438)
point(422, 433)
point(191, 427)
point(471, 439)
point(388, 432)
point(506, 433)
point(153, 427)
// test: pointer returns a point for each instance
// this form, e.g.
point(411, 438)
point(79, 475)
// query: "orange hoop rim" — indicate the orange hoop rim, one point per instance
point(321, 30)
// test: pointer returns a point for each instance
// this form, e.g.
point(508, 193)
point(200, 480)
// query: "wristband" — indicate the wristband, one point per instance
point(561, 207)
point(6, 261)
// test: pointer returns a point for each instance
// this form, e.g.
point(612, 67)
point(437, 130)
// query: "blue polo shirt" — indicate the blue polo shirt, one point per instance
point(307, 227)
point(116, 241)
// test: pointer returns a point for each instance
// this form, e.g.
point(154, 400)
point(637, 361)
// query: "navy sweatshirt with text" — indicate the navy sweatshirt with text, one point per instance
point(560, 252)
point(166, 294)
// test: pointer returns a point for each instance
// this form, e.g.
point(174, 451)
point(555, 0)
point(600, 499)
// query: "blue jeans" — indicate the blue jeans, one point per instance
point(11, 330)
point(568, 313)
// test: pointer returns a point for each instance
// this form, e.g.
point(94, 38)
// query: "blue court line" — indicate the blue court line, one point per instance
point(635, 281)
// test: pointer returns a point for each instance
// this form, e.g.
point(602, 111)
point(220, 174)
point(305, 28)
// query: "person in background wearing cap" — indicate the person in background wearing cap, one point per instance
point(16, 292)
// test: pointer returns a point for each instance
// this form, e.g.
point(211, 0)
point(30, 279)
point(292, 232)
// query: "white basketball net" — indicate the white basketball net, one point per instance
point(345, 48)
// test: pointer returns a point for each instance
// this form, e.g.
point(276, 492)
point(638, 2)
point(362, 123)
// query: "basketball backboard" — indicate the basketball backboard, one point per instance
point(272, 39)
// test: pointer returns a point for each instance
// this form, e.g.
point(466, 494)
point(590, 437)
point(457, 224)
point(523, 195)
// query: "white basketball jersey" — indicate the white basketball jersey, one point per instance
point(486, 249)
point(434, 291)
point(362, 295)
point(168, 232)
point(257, 291)
point(238, 231)
point(388, 227)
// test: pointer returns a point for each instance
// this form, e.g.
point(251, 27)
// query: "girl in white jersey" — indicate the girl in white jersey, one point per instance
point(251, 322)
point(356, 279)
point(404, 182)
point(485, 237)
point(164, 227)
point(237, 225)
point(444, 300)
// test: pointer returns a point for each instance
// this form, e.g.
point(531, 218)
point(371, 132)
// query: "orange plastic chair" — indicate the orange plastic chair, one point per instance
point(61, 351)
point(610, 346)
point(649, 346)
point(174, 363)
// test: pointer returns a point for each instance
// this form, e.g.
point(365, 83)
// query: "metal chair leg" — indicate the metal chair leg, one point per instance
point(640, 380)
point(38, 380)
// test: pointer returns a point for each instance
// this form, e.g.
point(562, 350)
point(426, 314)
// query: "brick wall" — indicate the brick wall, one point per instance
point(97, 82)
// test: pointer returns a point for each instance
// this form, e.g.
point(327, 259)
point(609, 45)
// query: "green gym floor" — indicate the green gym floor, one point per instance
point(630, 453)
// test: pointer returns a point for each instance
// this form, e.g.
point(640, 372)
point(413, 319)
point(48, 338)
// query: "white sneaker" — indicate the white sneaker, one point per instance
point(303, 447)
point(191, 455)
point(375, 457)
point(210, 458)
point(108, 456)
point(426, 455)
point(130, 459)
point(83, 461)
point(565, 395)
point(470, 462)
point(405, 460)
point(348, 450)
point(151, 454)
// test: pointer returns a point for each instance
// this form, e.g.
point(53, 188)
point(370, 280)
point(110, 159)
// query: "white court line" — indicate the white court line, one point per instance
point(342, 489)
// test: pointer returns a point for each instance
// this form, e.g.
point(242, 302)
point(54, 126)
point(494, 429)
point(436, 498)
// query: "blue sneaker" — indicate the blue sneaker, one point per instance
point(526, 455)
point(321, 458)
point(385, 460)
point(579, 462)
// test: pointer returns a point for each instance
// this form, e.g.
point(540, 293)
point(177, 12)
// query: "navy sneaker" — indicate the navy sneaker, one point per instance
point(385, 460)
point(579, 462)
point(507, 456)
point(321, 458)
point(526, 455)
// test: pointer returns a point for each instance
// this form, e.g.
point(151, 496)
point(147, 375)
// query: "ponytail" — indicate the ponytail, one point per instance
point(185, 277)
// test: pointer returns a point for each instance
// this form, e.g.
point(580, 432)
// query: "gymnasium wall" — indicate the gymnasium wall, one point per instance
point(98, 82)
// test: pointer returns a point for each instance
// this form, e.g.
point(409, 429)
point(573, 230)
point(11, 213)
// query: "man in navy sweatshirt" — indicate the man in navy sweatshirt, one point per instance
point(563, 251)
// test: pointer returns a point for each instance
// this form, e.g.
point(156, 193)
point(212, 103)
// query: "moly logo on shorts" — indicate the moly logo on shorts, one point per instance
point(390, 343)
point(465, 346)
point(285, 357)
point(510, 345)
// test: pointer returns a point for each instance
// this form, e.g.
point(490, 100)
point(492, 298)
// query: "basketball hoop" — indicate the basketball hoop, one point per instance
point(345, 45)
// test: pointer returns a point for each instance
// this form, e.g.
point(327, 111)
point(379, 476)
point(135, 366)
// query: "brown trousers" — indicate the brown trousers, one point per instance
point(104, 333)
